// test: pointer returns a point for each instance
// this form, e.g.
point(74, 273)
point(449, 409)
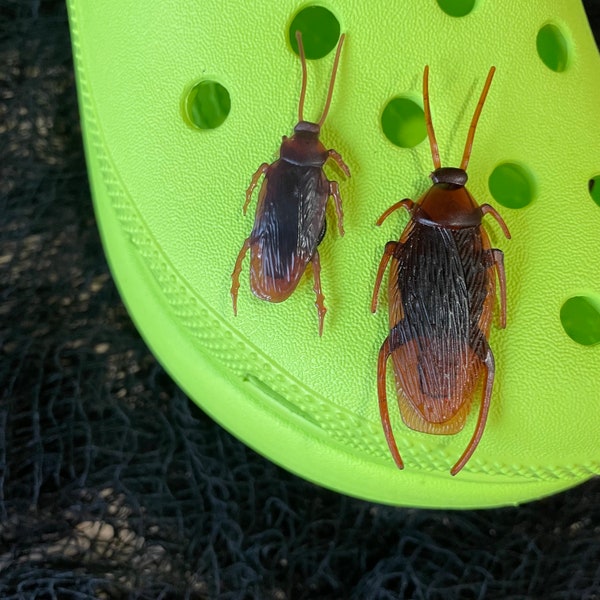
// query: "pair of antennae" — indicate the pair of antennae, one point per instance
point(435, 153)
point(304, 78)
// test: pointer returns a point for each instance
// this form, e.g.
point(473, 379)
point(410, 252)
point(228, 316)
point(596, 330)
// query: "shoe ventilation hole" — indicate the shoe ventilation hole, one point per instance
point(594, 189)
point(207, 105)
point(511, 185)
point(580, 318)
point(403, 122)
point(552, 48)
point(320, 31)
point(457, 8)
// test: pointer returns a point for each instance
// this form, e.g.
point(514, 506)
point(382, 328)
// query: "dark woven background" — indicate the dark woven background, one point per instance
point(114, 485)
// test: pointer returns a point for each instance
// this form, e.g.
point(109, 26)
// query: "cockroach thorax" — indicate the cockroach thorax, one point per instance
point(450, 175)
point(304, 147)
point(307, 127)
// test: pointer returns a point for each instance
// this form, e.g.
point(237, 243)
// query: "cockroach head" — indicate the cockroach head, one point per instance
point(308, 127)
point(450, 175)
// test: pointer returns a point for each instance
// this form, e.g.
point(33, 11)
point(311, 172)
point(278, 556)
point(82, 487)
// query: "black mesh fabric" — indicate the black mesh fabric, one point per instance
point(114, 485)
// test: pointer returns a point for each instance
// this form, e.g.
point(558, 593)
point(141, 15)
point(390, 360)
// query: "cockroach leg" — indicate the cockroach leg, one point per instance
point(260, 171)
point(384, 354)
point(320, 301)
point(334, 192)
point(498, 258)
point(489, 367)
point(487, 209)
point(339, 160)
point(407, 203)
point(237, 269)
point(390, 248)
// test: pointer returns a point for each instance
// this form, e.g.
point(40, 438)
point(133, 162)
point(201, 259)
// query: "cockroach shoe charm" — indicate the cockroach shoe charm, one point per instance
point(442, 290)
point(290, 216)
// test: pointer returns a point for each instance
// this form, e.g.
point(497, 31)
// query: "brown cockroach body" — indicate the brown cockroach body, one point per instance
point(290, 215)
point(441, 300)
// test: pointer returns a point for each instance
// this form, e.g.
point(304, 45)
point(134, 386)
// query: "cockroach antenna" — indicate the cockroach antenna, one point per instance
point(478, 109)
point(304, 76)
point(334, 69)
point(336, 62)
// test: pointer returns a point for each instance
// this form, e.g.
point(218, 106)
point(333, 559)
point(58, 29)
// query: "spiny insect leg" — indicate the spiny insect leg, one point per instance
point(407, 203)
point(384, 354)
point(339, 160)
point(334, 192)
point(260, 171)
point(498, 257)
point(320, 301)
point(237, 269)
point(489, 366)
point(390, 248)
point(487, 209)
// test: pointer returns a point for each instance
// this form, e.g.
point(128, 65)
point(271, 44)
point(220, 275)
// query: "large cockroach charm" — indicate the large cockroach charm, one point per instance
point(442, 289)
point(290, 215)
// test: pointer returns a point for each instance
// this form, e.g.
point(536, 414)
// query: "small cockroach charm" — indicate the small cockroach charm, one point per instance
point(442, 288)
point(290, 215)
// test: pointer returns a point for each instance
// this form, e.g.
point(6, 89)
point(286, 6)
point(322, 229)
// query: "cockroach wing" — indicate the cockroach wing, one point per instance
point(485, 320)
point(289, 219)
point(443, 281)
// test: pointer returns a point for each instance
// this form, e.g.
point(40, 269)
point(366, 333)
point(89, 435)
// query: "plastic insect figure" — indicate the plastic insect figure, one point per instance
point(442, 288)
point(290, 215)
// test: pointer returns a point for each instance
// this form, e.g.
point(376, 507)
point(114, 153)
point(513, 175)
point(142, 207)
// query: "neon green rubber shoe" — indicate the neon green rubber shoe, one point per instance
point(181, 103)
